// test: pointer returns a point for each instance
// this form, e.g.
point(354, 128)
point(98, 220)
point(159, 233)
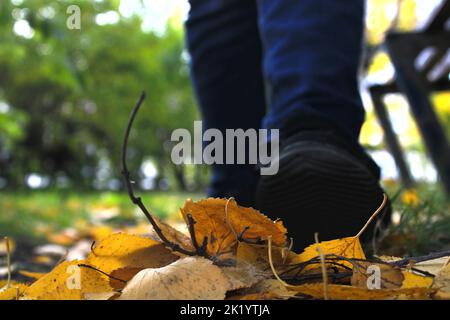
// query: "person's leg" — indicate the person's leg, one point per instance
point(326, 183)
point(312, 51)
point(225, 49)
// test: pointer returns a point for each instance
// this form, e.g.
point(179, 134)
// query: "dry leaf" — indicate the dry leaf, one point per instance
point(68, 281)
point(258, 255)
point(124, 274)
point(11, 292)
point(254, 296)
point(442, 284)
point(93, 282)
point(222, 220)
point(432, 266)
point(273, 287)
point(341, 292)
point(99, 295)
point(413, 280)
point(191, 278)
point(174, 235)
point(346, 247)
point(32, 275)
point(122, 250)
point(243, 275)
point(62, 283)
point(363, 271)
point(388, 258)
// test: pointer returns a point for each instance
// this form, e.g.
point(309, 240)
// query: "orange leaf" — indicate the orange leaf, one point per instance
point(222, 220)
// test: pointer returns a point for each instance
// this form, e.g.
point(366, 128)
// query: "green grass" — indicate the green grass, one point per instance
point(29, 214)
point(422, 227)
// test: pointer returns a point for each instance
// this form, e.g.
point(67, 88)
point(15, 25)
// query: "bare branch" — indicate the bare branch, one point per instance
point(100, 271)
point(137, 200)
point(201, 250)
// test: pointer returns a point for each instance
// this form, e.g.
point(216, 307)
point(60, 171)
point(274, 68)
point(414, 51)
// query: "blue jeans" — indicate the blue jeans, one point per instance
point(299, 58)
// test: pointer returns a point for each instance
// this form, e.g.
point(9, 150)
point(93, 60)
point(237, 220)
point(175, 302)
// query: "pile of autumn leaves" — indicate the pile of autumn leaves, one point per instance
point(247, 258)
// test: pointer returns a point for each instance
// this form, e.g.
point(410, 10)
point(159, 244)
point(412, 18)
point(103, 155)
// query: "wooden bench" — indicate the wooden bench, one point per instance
point(422, 64)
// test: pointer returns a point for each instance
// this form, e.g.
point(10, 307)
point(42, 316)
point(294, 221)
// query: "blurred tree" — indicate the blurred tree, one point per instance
point(77, 87)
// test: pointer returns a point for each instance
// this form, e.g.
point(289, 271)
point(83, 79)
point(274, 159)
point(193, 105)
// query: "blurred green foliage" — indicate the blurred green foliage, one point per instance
point(69, 94)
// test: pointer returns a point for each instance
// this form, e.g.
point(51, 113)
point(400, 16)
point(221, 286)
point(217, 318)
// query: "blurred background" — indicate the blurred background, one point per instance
point(65, 97)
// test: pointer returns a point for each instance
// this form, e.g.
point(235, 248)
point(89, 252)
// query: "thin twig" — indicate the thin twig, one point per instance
point(201, 250)
point(100, 271)
point(285, 251)
point(404, 262)
point(373, 216)
point(191, 225)
point(296, 280)
point(137, 200)
point(240, 237)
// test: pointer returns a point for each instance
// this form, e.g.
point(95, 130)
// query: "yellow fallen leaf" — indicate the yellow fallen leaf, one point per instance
point(222, 220)
point(174, 235)
point(68, 281)
point(413, 280)
point(11, 292)
point(349, 247)
point(32, 275)
point(342, 292)
point(93, 283)
point(62, 283)
point(122, 250)
point(191, 278)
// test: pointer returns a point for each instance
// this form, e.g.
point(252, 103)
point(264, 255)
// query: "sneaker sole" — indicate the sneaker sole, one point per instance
point(319, 188)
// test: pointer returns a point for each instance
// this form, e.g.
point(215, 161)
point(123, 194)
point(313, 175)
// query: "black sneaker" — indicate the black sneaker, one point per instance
point(323, 185)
